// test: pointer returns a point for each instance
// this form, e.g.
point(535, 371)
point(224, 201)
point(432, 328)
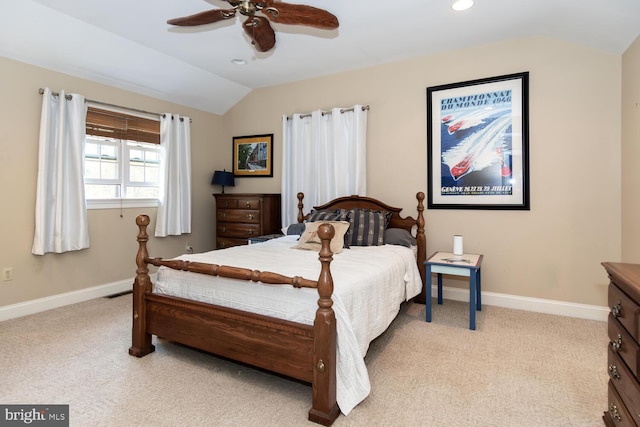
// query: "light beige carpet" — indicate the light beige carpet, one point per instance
point(517, 369)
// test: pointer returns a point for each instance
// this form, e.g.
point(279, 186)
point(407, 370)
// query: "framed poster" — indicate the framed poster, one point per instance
point(478, 144)
point(253, 155)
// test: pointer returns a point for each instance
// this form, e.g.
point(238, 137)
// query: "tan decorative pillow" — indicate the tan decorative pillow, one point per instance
point(311, 240)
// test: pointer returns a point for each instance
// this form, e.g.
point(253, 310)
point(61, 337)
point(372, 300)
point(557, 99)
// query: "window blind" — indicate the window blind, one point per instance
point(116, 125)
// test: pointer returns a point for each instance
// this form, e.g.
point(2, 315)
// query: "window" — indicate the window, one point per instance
point(122, 160)
point(116, 169)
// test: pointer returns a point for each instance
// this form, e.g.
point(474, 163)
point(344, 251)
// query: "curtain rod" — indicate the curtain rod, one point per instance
point(41, 91)
point(68, 97)
point(342, 110)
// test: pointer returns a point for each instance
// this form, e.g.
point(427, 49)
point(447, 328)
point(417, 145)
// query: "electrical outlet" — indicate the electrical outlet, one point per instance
point(189, 248)
point(7, 274)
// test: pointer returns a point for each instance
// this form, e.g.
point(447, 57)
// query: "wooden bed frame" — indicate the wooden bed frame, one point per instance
point(303, 352)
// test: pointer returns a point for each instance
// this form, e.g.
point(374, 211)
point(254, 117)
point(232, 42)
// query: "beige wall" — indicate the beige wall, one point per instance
point(111, 257)
point(552, 251)
point(631, 153)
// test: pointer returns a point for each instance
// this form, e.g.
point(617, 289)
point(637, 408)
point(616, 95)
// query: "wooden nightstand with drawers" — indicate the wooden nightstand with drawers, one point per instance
point(242, 216)
point(623, 406)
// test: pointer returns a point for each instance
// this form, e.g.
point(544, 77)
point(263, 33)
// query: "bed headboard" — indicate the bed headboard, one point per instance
point(408, 223)
point(363, 202)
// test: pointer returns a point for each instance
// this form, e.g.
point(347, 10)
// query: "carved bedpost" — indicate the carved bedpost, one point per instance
point(300, 207)
point(325, 407)
point(421, 241)
point(140, 339)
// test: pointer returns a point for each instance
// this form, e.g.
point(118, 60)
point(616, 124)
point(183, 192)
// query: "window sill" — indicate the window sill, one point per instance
point(121, 203)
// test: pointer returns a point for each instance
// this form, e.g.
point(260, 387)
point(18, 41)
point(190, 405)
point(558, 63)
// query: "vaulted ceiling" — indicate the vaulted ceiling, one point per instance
point(128, 44)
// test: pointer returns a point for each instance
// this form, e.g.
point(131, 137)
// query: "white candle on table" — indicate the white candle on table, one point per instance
point(457, 245)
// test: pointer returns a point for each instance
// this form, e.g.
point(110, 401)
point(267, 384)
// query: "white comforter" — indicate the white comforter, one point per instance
point(369, 285)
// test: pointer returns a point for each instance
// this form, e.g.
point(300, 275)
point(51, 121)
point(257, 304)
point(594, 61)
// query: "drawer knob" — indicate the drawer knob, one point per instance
point(616, 310)
point(223, 229)
point(613, 411)
point(250, 232)
point(617, 344)
point(250, 216)
point(226, 204)
point(223, 214)
point(222, 244)
point(248, 205)
point(613, 372)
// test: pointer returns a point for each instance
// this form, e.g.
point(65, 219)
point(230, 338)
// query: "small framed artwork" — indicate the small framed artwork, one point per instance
point(478, 144)
point(253, 155)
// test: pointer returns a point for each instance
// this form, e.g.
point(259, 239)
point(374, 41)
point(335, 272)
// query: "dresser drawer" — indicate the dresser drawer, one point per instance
point(617, 414)
point(233, 229)
point(625, 310)
point(227, 203)
point(226, 242)
point(624, 345)
point(239, 203)
point(626, 385)
point(248, 203)
point(238, 215)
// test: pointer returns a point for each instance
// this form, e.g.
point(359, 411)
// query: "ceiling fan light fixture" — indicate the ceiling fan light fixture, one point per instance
point(461, 5)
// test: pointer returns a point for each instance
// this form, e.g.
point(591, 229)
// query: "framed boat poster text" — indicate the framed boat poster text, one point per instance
point(478, 144)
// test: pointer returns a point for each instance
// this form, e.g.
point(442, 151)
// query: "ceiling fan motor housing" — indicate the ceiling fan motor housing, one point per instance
point(249, 8)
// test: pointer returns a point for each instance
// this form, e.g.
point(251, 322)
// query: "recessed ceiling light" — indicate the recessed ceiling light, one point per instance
point(462, 5)
point(238, 61)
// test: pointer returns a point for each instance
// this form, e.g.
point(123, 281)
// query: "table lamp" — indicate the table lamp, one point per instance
point(223, 178)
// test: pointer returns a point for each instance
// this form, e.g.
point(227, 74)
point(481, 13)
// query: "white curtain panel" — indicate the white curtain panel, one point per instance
point(61, 210)
point(174, 203)
point(324, 156)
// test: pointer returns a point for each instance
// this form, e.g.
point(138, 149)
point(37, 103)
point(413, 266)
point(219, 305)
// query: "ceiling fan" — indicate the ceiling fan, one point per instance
point(257, 27)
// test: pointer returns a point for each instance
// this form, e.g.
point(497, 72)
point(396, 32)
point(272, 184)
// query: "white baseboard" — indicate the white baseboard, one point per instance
point(55, 301)
point(581, 311)
point(561, 308)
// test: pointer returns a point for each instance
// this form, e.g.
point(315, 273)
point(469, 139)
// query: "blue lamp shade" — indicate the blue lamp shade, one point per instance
point(223, 178)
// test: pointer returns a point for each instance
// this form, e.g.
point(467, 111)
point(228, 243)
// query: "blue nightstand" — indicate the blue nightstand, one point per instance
point(458, 265)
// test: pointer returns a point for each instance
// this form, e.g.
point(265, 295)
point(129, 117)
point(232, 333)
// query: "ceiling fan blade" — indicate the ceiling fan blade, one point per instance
point(260, 32)
point(202, 18)
point(299, 14)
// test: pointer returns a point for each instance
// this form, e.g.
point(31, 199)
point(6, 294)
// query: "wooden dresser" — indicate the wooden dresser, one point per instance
point(241, 216)
point(624, 351)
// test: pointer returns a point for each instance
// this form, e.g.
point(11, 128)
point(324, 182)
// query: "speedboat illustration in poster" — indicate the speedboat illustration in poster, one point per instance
point(477, 140)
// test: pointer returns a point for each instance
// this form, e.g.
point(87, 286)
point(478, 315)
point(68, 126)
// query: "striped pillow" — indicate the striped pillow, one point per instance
point(367, 227)
point(331, 215)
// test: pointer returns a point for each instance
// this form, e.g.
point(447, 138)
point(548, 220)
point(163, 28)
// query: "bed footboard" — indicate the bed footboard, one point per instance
point(304, 352)
point(140, 337)
point(325, 408)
